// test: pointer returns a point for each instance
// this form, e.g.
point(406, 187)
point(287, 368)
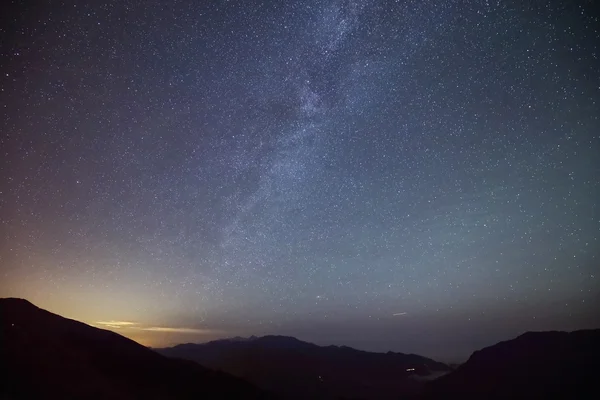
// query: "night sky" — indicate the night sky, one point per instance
point(415, 176)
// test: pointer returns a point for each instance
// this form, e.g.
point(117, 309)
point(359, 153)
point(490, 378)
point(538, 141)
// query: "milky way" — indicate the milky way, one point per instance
point(413, 176)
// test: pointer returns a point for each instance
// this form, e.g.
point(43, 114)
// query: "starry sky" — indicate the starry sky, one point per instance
point(417, 176)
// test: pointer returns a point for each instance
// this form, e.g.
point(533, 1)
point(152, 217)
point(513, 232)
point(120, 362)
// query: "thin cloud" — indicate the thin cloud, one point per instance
point(116, 324)
point(165, 329)
point(179, 330)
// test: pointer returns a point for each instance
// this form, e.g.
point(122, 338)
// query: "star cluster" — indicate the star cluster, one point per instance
point(408, 175)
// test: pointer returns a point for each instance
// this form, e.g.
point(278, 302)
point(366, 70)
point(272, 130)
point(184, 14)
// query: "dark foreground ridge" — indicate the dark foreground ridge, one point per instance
point(535, 365)
point(46, 356)
point(300, 370)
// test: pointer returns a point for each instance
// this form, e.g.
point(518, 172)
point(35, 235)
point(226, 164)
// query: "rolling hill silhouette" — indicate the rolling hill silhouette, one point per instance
point(300, 370)
point(43, 355)
point(535, 365)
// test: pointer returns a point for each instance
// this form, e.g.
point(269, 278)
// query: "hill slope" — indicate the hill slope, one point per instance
point(297, 369)
point(43, 355)
point(534, 365)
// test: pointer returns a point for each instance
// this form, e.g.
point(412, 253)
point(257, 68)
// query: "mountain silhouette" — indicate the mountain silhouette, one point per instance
point(43, 355)
point(535, 365)
point(300, 370)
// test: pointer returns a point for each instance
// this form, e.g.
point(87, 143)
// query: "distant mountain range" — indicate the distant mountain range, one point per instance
point(535, 365)
point(45, 356)
point(300, 370)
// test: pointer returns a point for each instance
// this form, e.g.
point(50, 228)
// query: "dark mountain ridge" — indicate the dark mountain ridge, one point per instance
point(298, 369)
point(533, 365)
point(292, 343)
point(43, 355)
